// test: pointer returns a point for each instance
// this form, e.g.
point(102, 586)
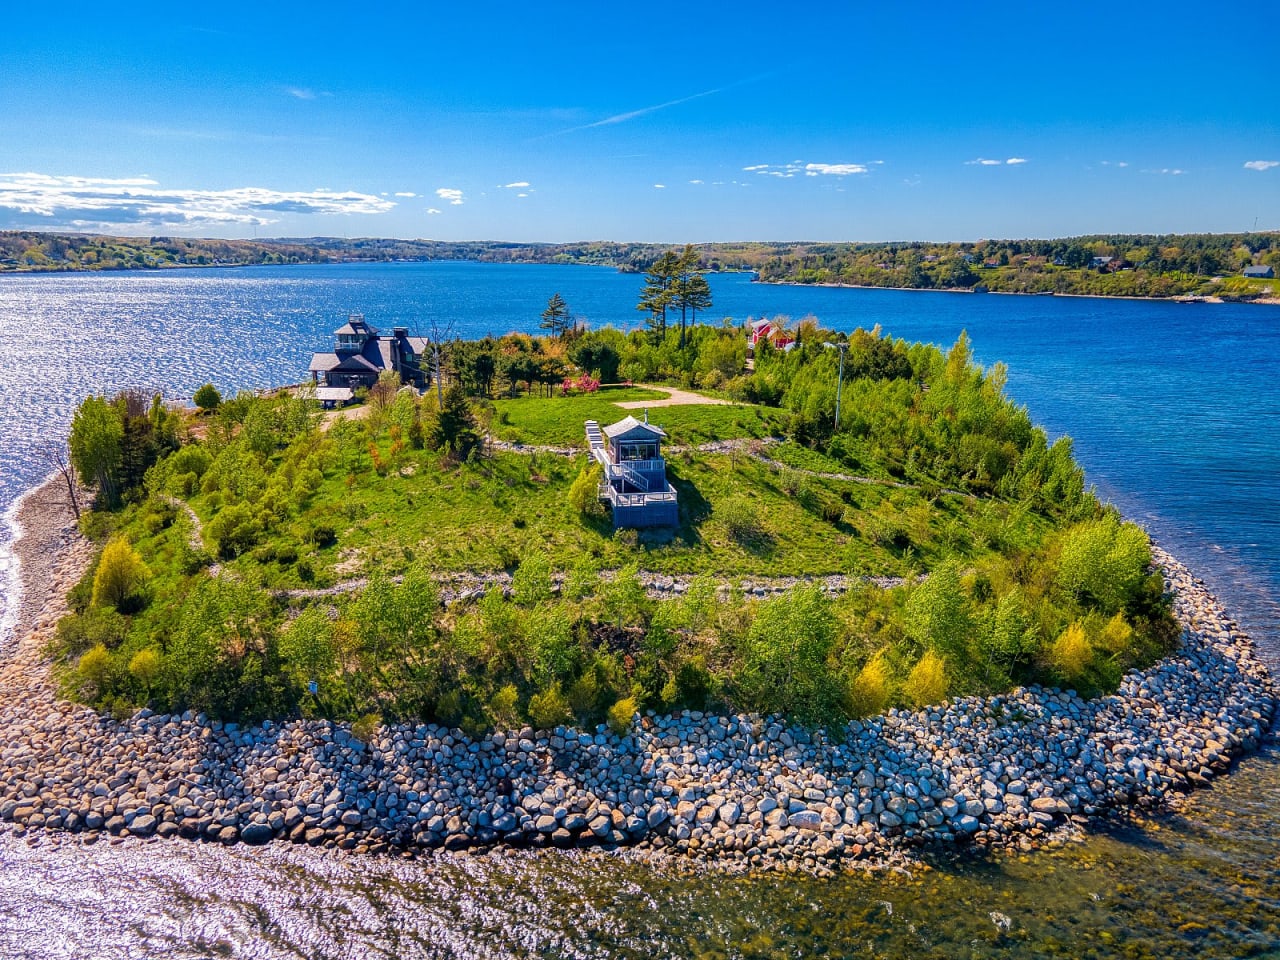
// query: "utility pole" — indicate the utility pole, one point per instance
point(842, 347)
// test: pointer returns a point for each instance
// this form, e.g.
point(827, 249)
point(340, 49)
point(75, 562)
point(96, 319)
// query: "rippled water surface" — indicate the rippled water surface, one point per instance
point(1176, 414)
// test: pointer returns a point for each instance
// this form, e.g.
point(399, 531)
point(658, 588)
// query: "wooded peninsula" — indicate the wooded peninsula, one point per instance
point(1237, 266)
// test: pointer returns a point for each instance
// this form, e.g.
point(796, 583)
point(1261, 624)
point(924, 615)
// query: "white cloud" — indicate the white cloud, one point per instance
point(432, 210)
point(786, 171)
point(85, 201)
point(302, 93)
point(1261, 165)
point(518, 185)
point(834, 169)
point(982, 162)
point(695, 181)
point(659, 186)
point(1167, 171)
point(405, 193)
point(1014, 160)
point(454, 197)
point(522, 195)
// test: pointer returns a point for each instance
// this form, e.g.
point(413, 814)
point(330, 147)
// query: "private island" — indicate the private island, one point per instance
point(597, 589)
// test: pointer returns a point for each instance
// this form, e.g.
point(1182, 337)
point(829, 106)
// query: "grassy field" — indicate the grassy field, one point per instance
point(488, 515)
point(558, 421)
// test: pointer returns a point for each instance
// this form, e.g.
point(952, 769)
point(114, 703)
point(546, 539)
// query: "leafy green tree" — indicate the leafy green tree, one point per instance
point(594, 355)
point(307, 646)
point(556, 317)
point(207, 398)
point(97, 439)
point(784, 668)
point(937, 612)
point(1104, 562)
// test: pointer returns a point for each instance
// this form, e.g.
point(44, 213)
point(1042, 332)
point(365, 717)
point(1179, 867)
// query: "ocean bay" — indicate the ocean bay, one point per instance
point(1171, 406)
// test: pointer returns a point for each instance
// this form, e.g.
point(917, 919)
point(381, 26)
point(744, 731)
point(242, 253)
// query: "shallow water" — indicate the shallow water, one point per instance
point(1176, 411)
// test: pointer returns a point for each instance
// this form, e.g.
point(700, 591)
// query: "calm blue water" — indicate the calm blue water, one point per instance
point(1175, 408)
point(1175, 412)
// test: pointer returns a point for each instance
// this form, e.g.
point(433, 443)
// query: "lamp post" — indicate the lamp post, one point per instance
point(842, 347)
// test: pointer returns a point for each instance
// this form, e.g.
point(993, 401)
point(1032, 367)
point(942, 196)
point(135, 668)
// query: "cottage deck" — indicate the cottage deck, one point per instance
point(637, 491)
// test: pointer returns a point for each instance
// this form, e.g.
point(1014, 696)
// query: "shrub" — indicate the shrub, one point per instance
point(93, 669)
point(503, 706)
point(621, 714)
point(531, 583)
point(927, 682)
point(366, 727)
point(584, 493)
point(1117, 636)
point(1071, 653)
point(121, 577)
point(741, 520)
point(870, 690)
point(97, 626)
point(145, 666)
point(549, 708)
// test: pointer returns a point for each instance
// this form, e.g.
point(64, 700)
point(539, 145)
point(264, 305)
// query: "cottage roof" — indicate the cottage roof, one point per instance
point(1263, 271)
point(757, 324)
point(323, 362)
point(630, 427)
point(356, 326)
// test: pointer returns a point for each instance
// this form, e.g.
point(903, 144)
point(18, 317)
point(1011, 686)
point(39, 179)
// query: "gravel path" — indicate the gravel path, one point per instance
point(675, 398)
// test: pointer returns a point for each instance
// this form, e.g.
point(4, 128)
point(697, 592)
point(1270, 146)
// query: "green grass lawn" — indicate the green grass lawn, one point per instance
point(558, 421)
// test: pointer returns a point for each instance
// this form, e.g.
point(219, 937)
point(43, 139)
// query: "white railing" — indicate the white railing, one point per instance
point(645, 466)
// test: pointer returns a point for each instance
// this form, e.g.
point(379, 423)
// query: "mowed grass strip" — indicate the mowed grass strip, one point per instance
point(558, 421)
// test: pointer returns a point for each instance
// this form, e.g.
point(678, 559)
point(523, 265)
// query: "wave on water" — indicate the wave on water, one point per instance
point(11, 566)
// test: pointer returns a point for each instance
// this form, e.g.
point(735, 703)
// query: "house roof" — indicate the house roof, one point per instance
point(323, 362)
point(630, 426)
point(1263, 271)
point(757, 324)
point(356, 325)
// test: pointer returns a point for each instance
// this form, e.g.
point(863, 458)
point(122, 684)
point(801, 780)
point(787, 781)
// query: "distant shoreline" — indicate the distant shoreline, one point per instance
point(1266, 301)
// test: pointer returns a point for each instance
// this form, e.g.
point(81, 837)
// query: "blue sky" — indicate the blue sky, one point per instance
point(662, 122)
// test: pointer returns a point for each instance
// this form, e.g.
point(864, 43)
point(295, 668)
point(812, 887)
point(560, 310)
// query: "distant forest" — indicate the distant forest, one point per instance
point(1105, 265)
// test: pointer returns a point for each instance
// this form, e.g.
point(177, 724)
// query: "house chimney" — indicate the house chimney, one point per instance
point(646, 416)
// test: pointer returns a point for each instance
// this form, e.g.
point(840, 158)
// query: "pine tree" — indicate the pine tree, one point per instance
point(556, 317)
point(659, 290)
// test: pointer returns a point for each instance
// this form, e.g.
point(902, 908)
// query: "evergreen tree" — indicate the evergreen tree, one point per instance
point(659, 290)
point(556, 317)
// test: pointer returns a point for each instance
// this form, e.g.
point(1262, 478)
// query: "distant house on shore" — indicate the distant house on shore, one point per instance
point(1100, 263)
point(360, 354)
point(635, 481)
point(1260, 273)
point(780, 337)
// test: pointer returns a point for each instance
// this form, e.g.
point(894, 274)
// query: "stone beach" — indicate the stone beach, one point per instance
point(736, 792)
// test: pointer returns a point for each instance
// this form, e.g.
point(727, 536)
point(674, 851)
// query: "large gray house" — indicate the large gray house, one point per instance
point(360, 354)
point(635, 481)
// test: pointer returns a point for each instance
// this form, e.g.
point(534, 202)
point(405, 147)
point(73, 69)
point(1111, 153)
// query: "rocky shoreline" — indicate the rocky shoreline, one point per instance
point(735, 792)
